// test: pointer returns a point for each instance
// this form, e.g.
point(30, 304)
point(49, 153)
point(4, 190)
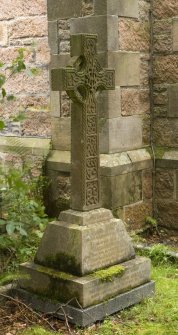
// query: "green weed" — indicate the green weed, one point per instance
point(151, 221)
point(158, 255)
point(23, 217)
point(21, 202)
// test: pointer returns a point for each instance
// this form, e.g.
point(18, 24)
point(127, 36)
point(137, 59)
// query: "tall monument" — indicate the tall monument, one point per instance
point(86, 257)
point(82, 80)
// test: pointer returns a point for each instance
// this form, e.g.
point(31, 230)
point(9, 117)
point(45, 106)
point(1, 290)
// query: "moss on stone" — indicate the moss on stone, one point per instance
point(160, 151)
point(63, 262)
point(55, 274)
point(106, 275)
point(118, 213)
point(59, 286)
point(57, 292)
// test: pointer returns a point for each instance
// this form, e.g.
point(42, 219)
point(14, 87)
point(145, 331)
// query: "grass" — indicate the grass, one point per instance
point(38, 331)
point(155, 316)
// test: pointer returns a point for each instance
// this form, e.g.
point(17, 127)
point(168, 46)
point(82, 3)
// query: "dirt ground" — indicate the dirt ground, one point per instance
point(16, 316)
point(164, 236)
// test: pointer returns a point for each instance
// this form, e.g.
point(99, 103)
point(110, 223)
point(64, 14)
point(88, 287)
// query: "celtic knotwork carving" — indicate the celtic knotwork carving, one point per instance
point(90, 104)
point(70, 80)
point(92, 168)
point(82, 80)
point(110, 79)
point(91, 173)
point(91, 124)
point(89, 45)
point(91, 146)
point(92, 193)
point(92, 162)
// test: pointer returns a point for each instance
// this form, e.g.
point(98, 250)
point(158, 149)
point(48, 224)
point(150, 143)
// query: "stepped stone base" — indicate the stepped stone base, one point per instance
point(87, 316)
point(87, 259)
point(88, 290)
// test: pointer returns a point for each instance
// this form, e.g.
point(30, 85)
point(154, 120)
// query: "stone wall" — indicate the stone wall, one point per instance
point(129, 42)
point(139, 39)
point(123, 29)
point(165, 110)
point(134, 37)
point(23, 24)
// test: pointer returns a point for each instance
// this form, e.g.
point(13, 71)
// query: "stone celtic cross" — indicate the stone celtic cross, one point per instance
point(82, 80)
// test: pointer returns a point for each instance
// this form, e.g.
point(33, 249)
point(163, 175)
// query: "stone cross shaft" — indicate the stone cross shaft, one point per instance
point(82, 80)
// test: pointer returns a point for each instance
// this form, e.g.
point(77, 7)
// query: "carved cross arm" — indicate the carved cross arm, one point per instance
point(69, 80)
point(106, 80)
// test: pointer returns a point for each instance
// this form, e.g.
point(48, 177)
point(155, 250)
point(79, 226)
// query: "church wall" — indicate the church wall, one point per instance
point(140, 116)
point(126, 164)
point(165, 110)
point(23, 24)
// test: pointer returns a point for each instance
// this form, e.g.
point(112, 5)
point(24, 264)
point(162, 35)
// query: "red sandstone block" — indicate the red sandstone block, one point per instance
point(165, 8)
point(165, 69)
point(134, 35)
point(29, 27)
point(24, 84)
point(12, 9)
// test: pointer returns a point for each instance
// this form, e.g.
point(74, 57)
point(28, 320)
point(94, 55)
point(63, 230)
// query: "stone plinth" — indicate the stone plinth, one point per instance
point(89, 290)
point(81, 243)
point(86, 258)
point(87, 316)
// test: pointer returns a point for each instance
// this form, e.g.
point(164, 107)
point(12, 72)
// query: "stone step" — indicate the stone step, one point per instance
point(88, 290)
point(85, 317)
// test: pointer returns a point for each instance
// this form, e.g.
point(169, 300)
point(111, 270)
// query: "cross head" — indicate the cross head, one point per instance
point(82, 79)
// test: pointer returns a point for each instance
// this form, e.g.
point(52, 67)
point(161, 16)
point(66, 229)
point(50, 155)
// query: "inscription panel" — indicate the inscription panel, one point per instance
point(107, 244)
point(93, 246)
